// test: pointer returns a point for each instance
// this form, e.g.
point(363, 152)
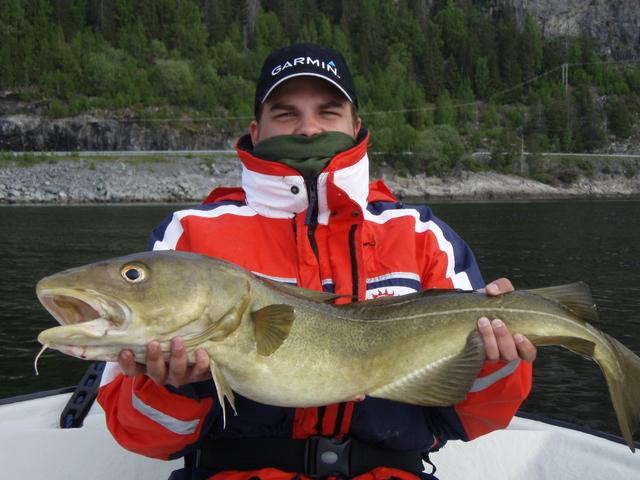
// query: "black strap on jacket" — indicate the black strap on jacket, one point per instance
point(315, 456)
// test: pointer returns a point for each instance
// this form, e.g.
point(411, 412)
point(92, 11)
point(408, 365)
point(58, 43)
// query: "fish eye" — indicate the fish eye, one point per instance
point(133, 273)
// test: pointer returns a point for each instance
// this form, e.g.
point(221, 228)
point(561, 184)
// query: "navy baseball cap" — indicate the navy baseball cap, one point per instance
point(300, 60)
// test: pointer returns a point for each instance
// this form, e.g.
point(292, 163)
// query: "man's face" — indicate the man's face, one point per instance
point(304, 106)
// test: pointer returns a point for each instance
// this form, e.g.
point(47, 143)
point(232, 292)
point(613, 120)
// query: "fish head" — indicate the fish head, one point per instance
point(126, 302)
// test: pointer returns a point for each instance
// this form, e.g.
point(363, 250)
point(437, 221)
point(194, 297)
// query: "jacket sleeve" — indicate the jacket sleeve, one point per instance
point(495, 397)
point(447, 261)
point(500, 387)
point(154, 420)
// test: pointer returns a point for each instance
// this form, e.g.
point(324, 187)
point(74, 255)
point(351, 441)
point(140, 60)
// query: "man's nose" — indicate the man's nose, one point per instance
point(308, 126)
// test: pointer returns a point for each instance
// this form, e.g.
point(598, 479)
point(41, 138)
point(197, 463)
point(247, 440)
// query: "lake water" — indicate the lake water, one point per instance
point(535, 244)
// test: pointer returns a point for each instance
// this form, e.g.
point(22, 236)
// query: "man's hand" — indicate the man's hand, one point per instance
point(499, 343)
point(176, 372)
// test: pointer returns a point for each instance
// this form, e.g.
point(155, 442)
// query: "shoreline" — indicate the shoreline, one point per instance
point(184, 180)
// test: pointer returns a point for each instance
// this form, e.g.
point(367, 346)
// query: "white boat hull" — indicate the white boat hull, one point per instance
point(33, 446)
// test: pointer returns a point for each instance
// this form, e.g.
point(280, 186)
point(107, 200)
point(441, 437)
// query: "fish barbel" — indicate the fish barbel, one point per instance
point(292, 347)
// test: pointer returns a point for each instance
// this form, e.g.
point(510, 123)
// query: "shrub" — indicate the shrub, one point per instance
point(173, 79)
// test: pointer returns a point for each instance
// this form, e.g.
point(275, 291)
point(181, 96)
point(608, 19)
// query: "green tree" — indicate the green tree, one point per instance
point(432, 71)
point(439, 149)
point(452, 75)
point(508, 47)
point(619, 118)
point(451, 21)
point(482, 78)
point(100, 73)
point(534, 44)
point(589, 133)
point(60, 78)
point(445, 112)
point(14, 53)
point(217, 16)
point(173, 79)
point(269, 35)
point(183, 28)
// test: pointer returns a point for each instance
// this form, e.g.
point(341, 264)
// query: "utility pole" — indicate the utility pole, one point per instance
point(522, 162)
point(565, 77)
point(565, 82)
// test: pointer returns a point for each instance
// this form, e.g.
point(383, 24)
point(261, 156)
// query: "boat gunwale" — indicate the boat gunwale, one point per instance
point(35, 395)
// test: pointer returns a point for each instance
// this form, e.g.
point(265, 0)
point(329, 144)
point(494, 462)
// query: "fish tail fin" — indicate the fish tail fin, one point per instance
point(621, 368)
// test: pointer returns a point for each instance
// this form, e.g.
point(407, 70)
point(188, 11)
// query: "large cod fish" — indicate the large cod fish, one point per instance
point(292, 347)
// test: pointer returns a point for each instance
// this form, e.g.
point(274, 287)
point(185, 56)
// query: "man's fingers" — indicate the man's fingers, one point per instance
point(177, 363)
point(500, 344)
point(498, 287)
point(505, 341)
point(526, 349)
point(176, 372)
point(200, 370)
point(128, 365)
point(156, 367)
point(492, 354)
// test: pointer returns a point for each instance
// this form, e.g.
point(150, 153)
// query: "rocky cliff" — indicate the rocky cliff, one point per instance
point(25, 126)
point(614, 25)
point(27, 132)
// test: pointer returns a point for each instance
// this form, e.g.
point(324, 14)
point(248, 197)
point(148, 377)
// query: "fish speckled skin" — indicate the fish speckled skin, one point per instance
point(285, 346)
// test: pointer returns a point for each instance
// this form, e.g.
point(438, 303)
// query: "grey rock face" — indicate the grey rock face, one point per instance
point(614, 25)
point(31, 132)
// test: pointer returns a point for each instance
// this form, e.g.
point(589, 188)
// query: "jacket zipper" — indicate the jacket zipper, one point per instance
point(311, 219)
point(354, 262)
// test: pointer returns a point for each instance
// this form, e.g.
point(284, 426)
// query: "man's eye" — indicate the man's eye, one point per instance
point(284, 115)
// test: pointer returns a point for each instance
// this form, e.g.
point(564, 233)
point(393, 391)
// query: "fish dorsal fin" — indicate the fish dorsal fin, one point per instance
point(272, 325)
point(574, 296)
point(442, 383)
point(303, 293)
point(397, 300)
point(223, 390)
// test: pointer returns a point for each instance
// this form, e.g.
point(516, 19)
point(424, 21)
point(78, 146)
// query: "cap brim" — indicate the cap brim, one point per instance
point(305, 74)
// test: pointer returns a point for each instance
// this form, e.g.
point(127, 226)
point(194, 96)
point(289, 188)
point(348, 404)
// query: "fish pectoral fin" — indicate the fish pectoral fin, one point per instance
point(441, 383)
point(574, 296)
point(272, 325)
point(223, 390)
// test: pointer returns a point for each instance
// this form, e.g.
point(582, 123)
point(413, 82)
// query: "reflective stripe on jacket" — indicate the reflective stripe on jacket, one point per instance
point(338, 234)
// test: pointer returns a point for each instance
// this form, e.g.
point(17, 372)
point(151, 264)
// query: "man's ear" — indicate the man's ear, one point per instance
point(356, 127)
point(254, 130)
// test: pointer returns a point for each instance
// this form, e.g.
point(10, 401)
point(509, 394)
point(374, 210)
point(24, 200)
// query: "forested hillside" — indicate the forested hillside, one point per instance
point(433, 77)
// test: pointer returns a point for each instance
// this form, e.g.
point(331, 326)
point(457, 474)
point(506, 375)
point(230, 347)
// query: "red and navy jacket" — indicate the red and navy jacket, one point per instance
point(336, 233)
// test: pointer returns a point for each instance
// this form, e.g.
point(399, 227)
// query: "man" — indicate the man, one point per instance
point(306, 215)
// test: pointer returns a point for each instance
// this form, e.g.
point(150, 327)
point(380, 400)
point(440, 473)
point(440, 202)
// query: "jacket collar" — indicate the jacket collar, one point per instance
point(278, 191)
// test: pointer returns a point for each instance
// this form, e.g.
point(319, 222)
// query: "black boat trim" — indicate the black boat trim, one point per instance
point(36, 395)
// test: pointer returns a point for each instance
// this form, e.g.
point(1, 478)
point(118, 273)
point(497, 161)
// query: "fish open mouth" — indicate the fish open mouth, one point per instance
point(87, 318)
point(68, 310)
point(92, 313)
